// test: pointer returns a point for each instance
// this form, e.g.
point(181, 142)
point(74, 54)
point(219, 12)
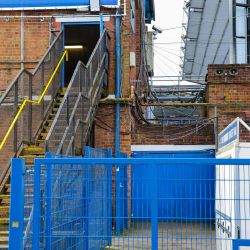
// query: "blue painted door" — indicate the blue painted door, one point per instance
point(183, 194)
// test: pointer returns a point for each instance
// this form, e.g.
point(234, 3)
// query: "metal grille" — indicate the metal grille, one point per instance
point(29, 86)
point(71, 126)
point(203, 211)
point(28, 208)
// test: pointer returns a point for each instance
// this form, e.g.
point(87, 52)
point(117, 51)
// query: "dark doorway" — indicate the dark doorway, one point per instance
point(85, 35)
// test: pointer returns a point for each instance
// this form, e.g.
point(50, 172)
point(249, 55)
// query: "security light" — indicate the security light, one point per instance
point(74, 47)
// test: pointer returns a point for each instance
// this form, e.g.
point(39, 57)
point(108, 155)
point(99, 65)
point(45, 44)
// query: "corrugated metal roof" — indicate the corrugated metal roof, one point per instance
point(207, 37)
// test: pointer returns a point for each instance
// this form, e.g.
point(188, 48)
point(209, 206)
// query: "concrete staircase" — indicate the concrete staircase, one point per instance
point(29, 154)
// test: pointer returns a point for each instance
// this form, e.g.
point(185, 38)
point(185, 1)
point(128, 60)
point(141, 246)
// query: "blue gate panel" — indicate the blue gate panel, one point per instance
point(47, 3)
point(184, 191)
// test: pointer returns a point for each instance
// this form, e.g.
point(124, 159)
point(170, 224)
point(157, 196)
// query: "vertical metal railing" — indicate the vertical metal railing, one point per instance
point(72, 124)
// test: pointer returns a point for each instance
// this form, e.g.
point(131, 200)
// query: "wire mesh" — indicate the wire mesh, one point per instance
point(28, 208)
point(29, 86)
point(75, 116)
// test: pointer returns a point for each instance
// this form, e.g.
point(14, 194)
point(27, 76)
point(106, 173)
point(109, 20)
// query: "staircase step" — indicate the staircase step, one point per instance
point(4, 234)
point(52, 115)
point(55, 109)
point(31, 156)
point(46, 127)
point(4, 247)
point(49, 121)
point(57, 104)
point(4, 240)
point(4, 196)
point(4, 221)
point(60, 98)
point(33, 151)
point(4, 208)
point(4, 216)
point(40, 141)
point(7, 185)
point(43, 134)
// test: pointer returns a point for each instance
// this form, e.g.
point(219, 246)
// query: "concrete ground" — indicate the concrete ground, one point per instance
point(171, 235)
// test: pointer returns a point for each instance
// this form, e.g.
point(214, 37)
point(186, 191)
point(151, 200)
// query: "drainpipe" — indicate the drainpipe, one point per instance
point(117, 95)
point(22, 67)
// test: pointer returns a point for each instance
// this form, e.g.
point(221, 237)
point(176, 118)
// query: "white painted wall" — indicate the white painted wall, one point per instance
point(171, 147)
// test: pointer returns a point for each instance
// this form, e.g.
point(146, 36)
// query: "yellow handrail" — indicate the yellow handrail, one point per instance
point(25, 101)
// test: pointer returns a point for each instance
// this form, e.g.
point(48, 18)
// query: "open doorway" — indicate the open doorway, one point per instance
point(80, 41)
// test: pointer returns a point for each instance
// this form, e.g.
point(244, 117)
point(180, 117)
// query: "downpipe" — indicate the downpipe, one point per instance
point(117, 106)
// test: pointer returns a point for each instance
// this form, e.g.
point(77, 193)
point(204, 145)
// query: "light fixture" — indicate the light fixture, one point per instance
point(74, 47)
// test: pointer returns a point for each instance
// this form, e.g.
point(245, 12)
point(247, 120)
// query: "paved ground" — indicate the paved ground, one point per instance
point(172, 236)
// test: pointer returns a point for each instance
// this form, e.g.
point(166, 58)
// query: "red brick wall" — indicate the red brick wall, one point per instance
point(105, 128)
point(173, 135)
point(229, 89)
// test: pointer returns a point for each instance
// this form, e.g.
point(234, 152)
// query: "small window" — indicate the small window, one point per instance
point(133, 14)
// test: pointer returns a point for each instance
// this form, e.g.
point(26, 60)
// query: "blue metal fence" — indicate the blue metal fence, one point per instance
point(62, 207)
point(169, 189)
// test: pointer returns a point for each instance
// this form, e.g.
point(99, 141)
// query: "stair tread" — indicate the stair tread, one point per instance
point(7, 185)
point(33, 151)
point(4, 208)
point(46, 127)
point(31, 156)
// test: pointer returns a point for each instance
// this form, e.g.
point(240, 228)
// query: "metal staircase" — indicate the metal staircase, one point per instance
point(60, 123)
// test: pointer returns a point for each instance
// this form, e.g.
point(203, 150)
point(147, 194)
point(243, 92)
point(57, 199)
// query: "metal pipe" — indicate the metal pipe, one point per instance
point(19, 61)
point(121, 99)
point(117, 94)
point(215, 128)
point(196, 104)
point(64, 16)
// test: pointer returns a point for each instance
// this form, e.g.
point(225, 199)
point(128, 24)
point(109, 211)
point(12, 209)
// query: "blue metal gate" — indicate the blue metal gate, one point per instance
point(170, 188)
point(59, 209)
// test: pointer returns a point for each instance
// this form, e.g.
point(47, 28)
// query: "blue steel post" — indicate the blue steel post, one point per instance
point(87, 196)
point(48, 207)
point(36, 204)
point(117, 108)
point(17, 204)
point(101, 24)
point(126, 193)
point(110, 199)
point(154, 207)
point(118, 201)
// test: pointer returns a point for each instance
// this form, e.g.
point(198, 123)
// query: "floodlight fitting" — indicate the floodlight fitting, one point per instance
point(74, 47)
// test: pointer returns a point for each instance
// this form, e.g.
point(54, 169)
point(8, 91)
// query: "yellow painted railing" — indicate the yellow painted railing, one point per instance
point(35, 102)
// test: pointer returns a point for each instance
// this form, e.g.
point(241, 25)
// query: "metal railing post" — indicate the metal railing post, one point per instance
point(17, 204)
point(73, 130)
point(30, 111)
point(87, 155)
point(15, 113)
point(36, 214)
point(48, 207)
point(110, 199)
point(53, 67)
point(118, 201)
point(154, 206)
point(215, 129)
point(42, 88)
